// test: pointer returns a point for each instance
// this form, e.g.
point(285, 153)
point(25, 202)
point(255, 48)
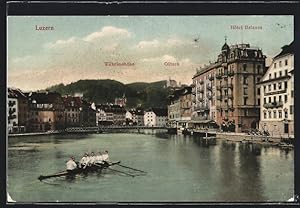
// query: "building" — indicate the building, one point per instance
point(156, 117)
point(20, 111)
point(87, 116)
point(277, 95)
point(46, 111)
point(121, 101)
point(12, 112)
point(204, 109)
point(227, 90)
point(180, 107)
point(72, 111)
point(110, 114)
point(140, 116)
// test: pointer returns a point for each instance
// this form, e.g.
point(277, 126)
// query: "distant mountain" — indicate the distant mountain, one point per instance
point(105, 91)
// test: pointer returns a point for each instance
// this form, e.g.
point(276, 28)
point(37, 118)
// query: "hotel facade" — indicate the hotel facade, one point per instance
point(226, 92)
point(277, 95)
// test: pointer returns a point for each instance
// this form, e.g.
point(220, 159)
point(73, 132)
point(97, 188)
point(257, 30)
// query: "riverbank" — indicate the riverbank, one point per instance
point(34, 134)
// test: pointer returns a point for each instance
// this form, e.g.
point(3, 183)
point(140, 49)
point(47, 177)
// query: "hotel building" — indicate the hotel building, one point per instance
point(277, 95)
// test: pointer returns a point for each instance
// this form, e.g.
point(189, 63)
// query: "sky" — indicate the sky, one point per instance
point(78, 46)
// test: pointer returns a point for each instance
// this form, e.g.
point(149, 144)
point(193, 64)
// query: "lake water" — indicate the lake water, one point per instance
point(178, 169)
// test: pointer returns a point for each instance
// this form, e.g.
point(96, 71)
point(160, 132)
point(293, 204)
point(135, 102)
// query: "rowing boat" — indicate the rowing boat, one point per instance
point(79, 170)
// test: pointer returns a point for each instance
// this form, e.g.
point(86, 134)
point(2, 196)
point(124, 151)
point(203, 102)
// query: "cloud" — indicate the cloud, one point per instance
point(148, 44)
point(61, 43)
point(108, 31)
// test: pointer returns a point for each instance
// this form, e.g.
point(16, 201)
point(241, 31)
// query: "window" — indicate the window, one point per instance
point(258, 101)
point(245, 67)
point(280, 113)
point(269, 88)
point(258, 91)
point(280, 73)
point(258, 69)
point(275, 74)
point(292, 93)
point(258, 79)
point(279, 85)
point(265, 100)
point(270, 76)
point(245, 80)
point(286, 62)
point(245, 91)
point(265, 115)
point(285, 72)
point(274, 114)
point(245, 112)
point(245, 100)
point(285, 84)
point(270, 100)
point(291, 109)
point(274, 65)
point(265, 88)
point(286, 114)
point(279, 63)
point(280, 98)
point(274, 86)
point(274, 99)
point(270, 114)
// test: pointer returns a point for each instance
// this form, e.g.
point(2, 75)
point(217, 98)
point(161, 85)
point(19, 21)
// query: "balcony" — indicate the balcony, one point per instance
point(225, 74)
point(276, 92)
point(273, 105)
point(219, 97)
point(209, 87)
point(218, 76)
point(218, 87)
point(231, 73)
point(227, 86)
point(211, 78)
point(201, 82)
point(201, 108)
point(209, 96)
point(200, 90)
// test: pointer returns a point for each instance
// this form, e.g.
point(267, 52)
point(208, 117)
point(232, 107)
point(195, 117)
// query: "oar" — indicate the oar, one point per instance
point(131, 168)
point(115, 170)
point(121, 172)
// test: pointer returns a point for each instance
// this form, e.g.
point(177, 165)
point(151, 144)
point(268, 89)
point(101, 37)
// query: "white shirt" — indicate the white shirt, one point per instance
point(92, 159)
point(84, 160)
point(105, 157)
point(98, 159)
point(71, 165)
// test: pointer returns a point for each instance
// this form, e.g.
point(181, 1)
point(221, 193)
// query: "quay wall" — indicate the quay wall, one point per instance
point(240, 137)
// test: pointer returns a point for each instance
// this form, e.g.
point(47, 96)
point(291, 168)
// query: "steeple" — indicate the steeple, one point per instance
point(225, 47)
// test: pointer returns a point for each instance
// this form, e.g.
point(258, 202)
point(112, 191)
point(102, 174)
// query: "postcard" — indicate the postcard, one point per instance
point(188, 108)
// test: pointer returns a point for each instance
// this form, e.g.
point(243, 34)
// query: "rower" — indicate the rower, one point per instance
point(105, 157)
point(99, 159)
point(84, 161)
point(91, 159)
point(71, 164)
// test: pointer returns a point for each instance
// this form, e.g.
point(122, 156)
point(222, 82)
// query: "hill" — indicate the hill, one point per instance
point(105, 91)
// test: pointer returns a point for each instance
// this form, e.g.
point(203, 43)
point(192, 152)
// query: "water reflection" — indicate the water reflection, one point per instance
point(250, 185)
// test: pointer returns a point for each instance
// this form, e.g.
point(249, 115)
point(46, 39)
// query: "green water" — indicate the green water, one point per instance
point(178, 169)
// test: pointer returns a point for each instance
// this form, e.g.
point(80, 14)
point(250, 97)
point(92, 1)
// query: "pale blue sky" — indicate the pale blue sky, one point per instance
point(161, 37)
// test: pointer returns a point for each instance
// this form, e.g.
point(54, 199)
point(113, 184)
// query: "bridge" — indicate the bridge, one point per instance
point(98, 129)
